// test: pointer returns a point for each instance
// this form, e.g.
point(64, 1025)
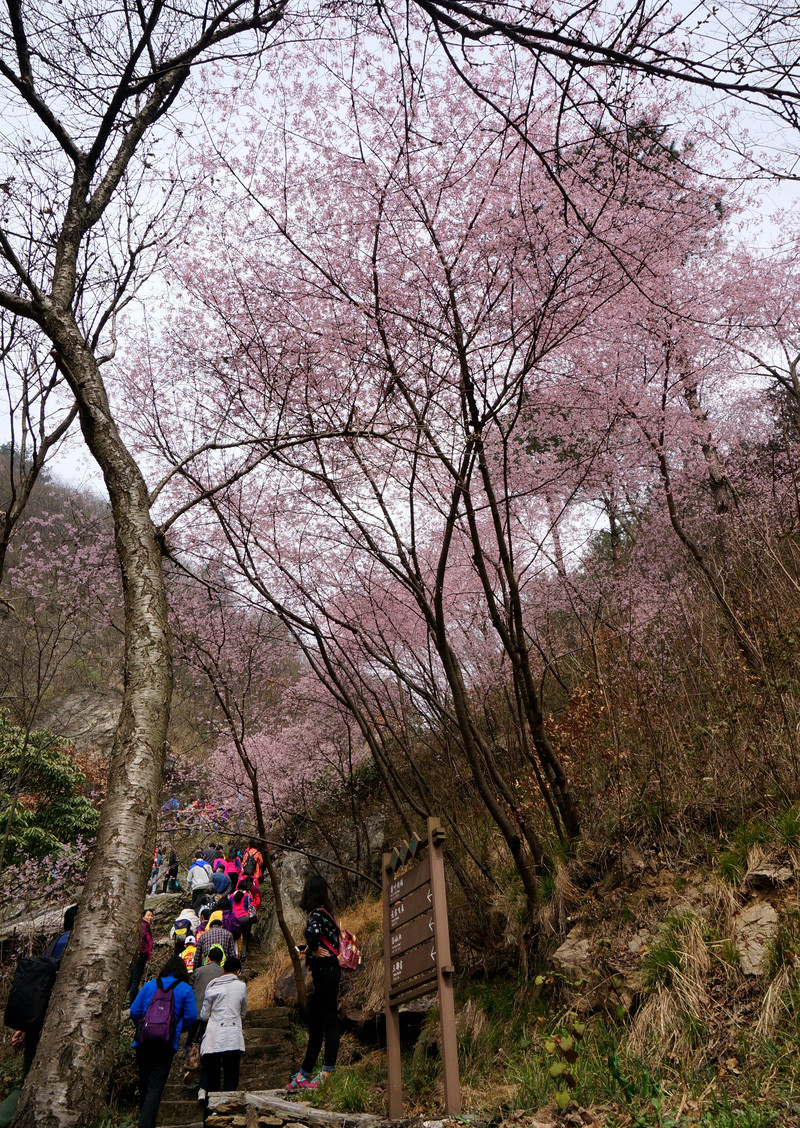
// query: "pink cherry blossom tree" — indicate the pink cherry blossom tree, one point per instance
point(423, 328)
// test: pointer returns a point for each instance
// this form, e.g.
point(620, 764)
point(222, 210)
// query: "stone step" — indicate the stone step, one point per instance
point(180, 1112)
point(256, 1049)
point(269, 1061)
point(252, 1065)
point(256, 1082)
point(250, 1070)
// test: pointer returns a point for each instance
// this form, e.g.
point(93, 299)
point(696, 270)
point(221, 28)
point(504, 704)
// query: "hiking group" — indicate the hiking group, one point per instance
point(198, 990)
point(225, 898)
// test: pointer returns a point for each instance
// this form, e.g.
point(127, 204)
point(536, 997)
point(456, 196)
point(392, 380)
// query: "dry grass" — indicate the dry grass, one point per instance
point(658, 1029)
point(365, 921)
point(471, 1020)
point(565, 896)
point(500, 1095)
point(261, 990)
point(723, 904)
point(774, 1002)
point(695, 956)
point(691, 996)
point(674, 1015)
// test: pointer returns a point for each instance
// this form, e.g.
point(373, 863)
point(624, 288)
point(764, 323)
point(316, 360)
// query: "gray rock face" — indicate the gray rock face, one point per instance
point(755, 927)
point(293, 872)
point(88, 717)
point(768, 874)
point(573, 959)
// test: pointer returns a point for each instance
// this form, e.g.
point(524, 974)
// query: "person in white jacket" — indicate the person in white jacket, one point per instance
point(224, 1007)
point(200, 876)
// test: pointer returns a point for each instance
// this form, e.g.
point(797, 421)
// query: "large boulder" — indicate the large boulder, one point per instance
point(754, 929)
point(574, 958)
point(294, 869)
point(285, 994)
point(87, 716)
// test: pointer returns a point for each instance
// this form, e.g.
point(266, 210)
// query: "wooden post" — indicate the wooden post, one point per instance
point(444, 969)
point(417, 957)
point(395, 1103)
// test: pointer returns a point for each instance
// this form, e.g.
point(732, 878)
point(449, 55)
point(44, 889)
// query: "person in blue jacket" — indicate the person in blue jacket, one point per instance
point(154, 1059)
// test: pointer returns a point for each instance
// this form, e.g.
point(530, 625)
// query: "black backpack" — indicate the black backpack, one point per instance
point(30, 992)
point(249, 867)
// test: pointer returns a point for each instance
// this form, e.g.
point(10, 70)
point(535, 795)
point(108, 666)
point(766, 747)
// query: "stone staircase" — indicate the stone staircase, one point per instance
point(268, 1063)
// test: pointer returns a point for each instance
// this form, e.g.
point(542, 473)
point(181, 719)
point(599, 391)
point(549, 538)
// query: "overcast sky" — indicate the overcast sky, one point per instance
point(781, 146)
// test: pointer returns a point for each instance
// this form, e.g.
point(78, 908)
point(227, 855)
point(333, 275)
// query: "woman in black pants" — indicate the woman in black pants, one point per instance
point(322, 957)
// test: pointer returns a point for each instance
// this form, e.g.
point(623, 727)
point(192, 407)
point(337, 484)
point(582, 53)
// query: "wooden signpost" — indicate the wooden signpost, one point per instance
point(417, 955)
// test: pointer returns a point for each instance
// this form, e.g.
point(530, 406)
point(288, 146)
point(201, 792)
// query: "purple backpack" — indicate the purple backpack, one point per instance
point(232, 923)
point(158, 1021)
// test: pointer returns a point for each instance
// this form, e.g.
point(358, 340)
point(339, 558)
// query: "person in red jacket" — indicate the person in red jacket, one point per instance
point(250, 885)
point(145, 951)
point(233, 866)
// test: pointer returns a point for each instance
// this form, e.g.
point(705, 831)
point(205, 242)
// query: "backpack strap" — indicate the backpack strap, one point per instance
point(50, 949)
point(329, 946)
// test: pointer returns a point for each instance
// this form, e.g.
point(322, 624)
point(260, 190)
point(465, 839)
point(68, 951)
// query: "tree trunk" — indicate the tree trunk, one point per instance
point(291, 946)
point(66, 1087)
point(719, 483)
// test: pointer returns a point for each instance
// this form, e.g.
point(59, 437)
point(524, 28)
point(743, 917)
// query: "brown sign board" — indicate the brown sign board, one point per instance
point(415, 932)
point(410, 906)
point(414, 989)
point(414, 962)
point(402, 886)
point(417, 959)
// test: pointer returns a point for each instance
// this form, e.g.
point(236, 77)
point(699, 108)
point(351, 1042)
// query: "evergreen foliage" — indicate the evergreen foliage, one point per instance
point(50, 810)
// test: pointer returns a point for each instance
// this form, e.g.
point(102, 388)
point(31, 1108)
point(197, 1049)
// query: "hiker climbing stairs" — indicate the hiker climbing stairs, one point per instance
point(268, 1063)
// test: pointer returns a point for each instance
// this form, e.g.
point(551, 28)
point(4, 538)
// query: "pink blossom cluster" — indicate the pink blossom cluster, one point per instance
point(415, 384)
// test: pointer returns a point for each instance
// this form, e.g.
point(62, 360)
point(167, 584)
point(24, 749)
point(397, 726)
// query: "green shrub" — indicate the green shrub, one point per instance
point(665, 953)
point(724, 1115)
point(788, 826)
point(730, 864)
point(347, 1091)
